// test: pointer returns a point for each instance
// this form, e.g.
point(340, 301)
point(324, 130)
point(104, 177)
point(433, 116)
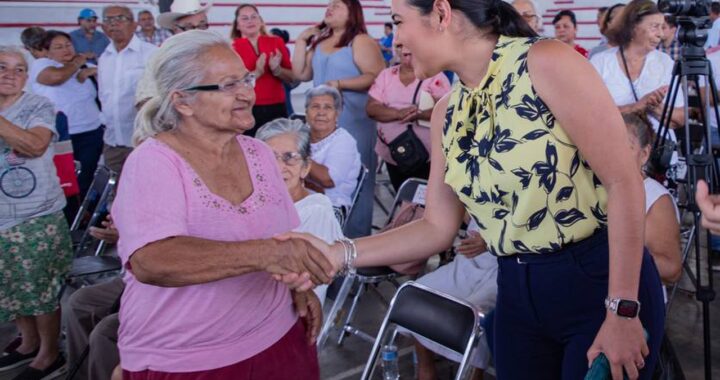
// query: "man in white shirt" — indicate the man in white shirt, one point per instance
point(713, 38)
point(119, 70)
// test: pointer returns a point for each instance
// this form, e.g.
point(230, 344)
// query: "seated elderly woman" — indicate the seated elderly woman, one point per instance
point(662, 229)
point(290, 141)
point(196, 209)
point(35, 248)
point(335, 163)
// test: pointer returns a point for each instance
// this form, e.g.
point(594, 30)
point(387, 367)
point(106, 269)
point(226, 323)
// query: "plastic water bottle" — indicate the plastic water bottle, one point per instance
point(389, 354)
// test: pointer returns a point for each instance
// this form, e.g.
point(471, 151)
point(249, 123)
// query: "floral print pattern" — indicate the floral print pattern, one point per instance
point(513, 166)
point(35, 257)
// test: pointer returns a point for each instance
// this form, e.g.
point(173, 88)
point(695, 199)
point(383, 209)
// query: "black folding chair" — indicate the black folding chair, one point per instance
point(441, 318)
point(93, 209)
point(413, 191)
point(346, 211)
point(298, 116)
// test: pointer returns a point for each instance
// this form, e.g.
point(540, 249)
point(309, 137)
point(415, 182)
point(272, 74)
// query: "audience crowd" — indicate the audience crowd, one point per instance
point(230, 206)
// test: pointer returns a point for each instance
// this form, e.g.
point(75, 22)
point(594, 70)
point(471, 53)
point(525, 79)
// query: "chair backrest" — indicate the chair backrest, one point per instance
point(102, 186)
point(298, 116)
point(356, 193)
point(438, 317)
point(339, 214)
point(411, 191)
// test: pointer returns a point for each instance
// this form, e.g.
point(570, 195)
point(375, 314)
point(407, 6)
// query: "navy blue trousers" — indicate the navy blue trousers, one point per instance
point(87, 148)
point(550, 308)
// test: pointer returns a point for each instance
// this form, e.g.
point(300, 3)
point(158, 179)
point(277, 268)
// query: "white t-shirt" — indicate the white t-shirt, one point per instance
point(76, 100)
point(653, 191)
point(29, 187)
point(338, 151)
point(317, 218)
point(656, 73)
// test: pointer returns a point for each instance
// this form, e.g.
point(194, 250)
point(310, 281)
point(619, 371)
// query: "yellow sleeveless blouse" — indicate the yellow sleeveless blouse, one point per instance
point(513, 166)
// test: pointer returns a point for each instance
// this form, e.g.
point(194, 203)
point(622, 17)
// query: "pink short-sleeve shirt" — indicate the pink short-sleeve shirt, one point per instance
point(391, 92)
point(212, 325)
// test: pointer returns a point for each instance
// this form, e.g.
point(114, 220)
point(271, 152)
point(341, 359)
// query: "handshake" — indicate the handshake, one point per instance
point(302, 261)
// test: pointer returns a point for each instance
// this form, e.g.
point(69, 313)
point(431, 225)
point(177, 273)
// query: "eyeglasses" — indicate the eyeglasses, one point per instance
point(249, 18)
point(231, 86)
point(289, 158)
point(119, 19)
point(18, 70)
point(186, 27)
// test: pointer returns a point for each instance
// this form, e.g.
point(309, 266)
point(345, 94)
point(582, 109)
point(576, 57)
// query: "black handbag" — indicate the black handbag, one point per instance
point(662, 152)
point(407, 150)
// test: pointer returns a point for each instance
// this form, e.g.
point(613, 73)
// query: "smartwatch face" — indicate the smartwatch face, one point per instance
point(628, 309)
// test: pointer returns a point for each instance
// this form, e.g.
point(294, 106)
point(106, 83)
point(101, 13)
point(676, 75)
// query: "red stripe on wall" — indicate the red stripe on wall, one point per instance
point(297, 5)
point(260, 5)
point(579, 23)
point(572, 9)
point(215, 24)
point(75, 1)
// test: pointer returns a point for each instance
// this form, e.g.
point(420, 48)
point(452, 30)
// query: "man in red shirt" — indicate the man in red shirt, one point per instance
point(566, 29)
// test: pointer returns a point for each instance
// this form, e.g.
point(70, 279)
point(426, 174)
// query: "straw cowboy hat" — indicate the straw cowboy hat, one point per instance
point(181, 8)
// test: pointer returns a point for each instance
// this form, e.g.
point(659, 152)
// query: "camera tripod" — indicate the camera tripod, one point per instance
point(701, 166)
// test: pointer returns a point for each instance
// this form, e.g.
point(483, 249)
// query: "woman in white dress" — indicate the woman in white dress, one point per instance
point(290, 141)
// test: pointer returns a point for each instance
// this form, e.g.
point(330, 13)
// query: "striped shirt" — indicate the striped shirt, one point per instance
point(158, 37)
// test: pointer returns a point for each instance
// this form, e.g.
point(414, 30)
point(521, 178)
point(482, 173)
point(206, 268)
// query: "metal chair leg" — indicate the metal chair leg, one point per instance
point(335, 309)
point(686, 268)
point(351, 312)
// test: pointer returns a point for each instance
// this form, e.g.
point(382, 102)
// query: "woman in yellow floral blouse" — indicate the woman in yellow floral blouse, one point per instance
point(514, 144)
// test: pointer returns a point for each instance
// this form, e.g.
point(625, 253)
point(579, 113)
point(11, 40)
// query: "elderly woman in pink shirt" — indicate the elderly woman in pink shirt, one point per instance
point(197, 208)
point(398, 99)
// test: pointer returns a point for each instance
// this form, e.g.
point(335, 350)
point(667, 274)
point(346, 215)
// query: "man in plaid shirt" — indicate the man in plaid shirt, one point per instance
point(669, 43)
point(148, 32)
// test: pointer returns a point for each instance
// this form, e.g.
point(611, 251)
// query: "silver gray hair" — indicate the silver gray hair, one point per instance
point(119, 6)
point(15, 50)
point(532, 3)
point(176, 65)
point(323, 90)
point(283, 126)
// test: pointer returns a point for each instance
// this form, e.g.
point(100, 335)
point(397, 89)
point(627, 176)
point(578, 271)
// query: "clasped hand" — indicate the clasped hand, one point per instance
point(323, 262)
point(300, 262)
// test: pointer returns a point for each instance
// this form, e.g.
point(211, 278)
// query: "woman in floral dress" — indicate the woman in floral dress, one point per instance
point(35, 248)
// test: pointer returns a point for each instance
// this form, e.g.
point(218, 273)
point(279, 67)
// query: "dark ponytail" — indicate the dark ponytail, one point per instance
point(497, 15)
